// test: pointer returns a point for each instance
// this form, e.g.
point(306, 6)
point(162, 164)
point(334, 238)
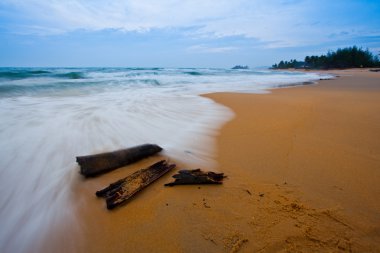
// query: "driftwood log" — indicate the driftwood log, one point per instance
point(93, 165)
point(196, 177)
point(120, 191)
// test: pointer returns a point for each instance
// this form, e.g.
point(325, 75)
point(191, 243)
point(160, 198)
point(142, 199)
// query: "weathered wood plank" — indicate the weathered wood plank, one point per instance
point(196, 177)
point(120, 191)
point(93, 165)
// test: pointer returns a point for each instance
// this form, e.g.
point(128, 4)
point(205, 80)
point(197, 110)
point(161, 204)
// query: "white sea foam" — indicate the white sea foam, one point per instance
point(48, 119)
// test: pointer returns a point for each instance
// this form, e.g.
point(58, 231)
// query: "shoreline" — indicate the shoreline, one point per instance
point(268, 203)
point(307, 99)
point(322, 139)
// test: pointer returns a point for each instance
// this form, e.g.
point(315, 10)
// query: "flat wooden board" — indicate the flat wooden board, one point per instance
point(122, 190)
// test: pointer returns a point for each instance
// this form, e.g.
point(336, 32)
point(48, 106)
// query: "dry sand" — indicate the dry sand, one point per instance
point(324, 141)
point(303, 168)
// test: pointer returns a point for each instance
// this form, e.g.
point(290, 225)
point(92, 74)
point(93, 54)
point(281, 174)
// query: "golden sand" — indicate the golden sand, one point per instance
point(303, 168)
point(323, 141)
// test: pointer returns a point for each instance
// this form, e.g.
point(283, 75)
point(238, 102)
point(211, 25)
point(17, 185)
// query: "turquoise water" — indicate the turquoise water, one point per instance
point(57, 81)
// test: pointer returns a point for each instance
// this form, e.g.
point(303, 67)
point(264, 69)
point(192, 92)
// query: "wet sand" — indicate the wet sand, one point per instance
point(303, 167)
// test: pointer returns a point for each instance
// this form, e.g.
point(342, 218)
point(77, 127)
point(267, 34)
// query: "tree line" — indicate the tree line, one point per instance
point(350, 57)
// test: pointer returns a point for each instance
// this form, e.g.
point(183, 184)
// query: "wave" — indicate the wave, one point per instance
point(39, 72)
point(12, 90)
point(149, 81)
point(47, 89)
point(72, 75)
point(55, 88)
point(18, 81)
point(22, 74)
point(19, 74)
point(193, 73)
point(142, 68)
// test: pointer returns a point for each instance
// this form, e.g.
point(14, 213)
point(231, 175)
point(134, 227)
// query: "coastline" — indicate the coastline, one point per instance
point(322, 139)
point(291, 157)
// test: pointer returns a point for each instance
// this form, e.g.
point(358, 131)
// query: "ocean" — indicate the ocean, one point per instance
point(48, 116)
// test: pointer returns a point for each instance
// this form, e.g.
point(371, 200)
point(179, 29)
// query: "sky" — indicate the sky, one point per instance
point(180, 33)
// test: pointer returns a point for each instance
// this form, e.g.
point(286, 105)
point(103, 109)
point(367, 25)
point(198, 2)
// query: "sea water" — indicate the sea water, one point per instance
point(48, 116)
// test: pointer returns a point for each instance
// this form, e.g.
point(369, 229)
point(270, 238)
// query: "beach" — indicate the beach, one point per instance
point(301, 162)
point(302, 168)
point(190, 126)
point(324, 141)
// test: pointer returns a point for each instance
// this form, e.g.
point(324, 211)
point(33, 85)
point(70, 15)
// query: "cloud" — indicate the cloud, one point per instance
point(281, 23)
point(208, 49)
point(133, 15)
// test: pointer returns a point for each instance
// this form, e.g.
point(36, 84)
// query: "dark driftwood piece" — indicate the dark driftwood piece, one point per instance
point(120, 191)
point(196, 177)
point(93, 165)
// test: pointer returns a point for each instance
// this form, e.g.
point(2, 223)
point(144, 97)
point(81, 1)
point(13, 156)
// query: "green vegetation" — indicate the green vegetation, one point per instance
point(289, 64)
point(350, 57)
